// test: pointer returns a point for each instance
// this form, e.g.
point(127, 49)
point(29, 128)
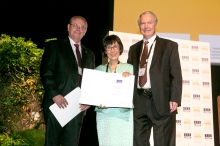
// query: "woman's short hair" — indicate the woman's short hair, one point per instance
point(109, 40)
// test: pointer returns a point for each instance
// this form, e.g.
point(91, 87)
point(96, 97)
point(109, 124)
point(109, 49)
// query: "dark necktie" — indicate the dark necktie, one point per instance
point(79, 62)
point(143, 79)
point(78, 54)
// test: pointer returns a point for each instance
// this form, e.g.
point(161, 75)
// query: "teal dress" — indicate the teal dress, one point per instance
point(115, 125)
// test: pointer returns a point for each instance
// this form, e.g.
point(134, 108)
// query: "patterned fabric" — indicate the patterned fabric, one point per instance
point(79, 62)
point(143, 79)
point(115, 125)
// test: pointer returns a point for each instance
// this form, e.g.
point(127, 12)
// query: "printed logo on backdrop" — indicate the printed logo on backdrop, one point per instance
point(195, 48)
point(186, 82)
point(196, 97)
point(206, 98)
point(178, 122)
point(205, 73)
point(187, 136)
point(208, 136)
point(197, 137)
point(197, 123)
point(184, 47)
point(205, 60)
point(195, 60)
point(126, 42)
point(207, 111)
point(195, 71)
point(185, 58)
point(187, 123)
point(205, 84)
point(205, 50)
point(186, 97)
point(186, 109)
point(179, 111)
point(178, 136)
point(196, 84)
point(196, 111)
point(185, 71)
point(207, 124)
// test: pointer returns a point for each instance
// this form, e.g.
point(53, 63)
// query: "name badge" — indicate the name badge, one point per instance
point(80, 70)
point(141, 71)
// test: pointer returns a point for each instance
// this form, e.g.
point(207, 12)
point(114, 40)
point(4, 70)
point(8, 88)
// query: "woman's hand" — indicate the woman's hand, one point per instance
point(126, 74)
point(102, 106)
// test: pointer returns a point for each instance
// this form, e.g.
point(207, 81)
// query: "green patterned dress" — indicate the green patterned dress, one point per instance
point(115, 125)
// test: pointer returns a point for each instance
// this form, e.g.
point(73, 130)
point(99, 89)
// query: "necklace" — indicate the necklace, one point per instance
point(108, 66)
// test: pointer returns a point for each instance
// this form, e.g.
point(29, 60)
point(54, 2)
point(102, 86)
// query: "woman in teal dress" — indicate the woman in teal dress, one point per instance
point(114, 125)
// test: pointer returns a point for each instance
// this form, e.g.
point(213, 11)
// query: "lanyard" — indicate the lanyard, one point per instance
point(108, 65)
point(150, 49)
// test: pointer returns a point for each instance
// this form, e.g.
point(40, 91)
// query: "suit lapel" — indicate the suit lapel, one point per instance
point(69, 52)
point(138, 53)
point(158, 50)
point(84, 56)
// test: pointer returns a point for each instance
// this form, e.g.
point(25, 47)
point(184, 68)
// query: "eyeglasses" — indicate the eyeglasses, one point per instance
point(115, 48)
point(82, 28)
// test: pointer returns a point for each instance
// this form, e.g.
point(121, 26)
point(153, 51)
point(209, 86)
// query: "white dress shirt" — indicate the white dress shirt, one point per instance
point(152, 43)
point(74, 48)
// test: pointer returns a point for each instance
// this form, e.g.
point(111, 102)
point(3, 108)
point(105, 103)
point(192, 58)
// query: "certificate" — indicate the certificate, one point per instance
point(108, 89)
point(63, 116)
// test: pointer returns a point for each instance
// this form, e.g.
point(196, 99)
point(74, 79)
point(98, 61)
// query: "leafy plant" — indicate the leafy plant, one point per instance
point(16, 140)
point(33, 137)
point(21, 91)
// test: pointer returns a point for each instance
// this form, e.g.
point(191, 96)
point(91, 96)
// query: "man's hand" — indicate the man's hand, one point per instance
point(60, 101)
point(84, 107)
point(173, 106)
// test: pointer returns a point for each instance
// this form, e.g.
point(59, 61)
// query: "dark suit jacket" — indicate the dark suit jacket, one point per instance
point(165, 73)
point(59, 69)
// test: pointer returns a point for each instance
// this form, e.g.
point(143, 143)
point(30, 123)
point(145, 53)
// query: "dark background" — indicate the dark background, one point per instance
point(40, 20)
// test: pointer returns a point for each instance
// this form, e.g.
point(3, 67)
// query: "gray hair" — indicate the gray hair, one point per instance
point(80, 17)
point(148, 12)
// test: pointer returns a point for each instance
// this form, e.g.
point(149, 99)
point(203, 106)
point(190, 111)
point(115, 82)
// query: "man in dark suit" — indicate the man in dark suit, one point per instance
point(61, 72)
point(158, 85)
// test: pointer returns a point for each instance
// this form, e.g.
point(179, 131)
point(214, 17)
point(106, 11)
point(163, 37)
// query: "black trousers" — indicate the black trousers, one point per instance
point(65, 136)
point(164, 127)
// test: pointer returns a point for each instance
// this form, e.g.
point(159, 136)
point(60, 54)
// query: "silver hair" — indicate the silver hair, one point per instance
point(80, 17)
point(148, 12)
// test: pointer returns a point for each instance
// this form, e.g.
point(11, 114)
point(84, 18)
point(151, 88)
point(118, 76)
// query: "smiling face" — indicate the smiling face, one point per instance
point(113, 51)
point(77, 29)
point(147, 25)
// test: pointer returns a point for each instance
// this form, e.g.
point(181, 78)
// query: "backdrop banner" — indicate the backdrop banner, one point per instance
point(195, 116)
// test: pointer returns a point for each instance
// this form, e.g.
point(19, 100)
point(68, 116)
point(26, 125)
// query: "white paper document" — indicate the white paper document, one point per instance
point(65, 115)
point(109, 89)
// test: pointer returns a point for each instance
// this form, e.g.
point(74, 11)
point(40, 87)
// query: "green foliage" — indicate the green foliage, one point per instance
point(21, 91)
point(47, 40)
point(15, 140)
point(33, 137)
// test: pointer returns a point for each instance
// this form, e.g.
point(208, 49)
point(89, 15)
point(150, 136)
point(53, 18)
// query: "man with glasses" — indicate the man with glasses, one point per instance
point(61, 72)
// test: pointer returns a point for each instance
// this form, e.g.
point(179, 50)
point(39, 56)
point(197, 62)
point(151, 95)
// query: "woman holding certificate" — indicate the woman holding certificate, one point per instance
point(114, 125)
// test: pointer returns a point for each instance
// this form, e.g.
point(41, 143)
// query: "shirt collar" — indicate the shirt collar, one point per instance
point(72, 42)
point(151, 40)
